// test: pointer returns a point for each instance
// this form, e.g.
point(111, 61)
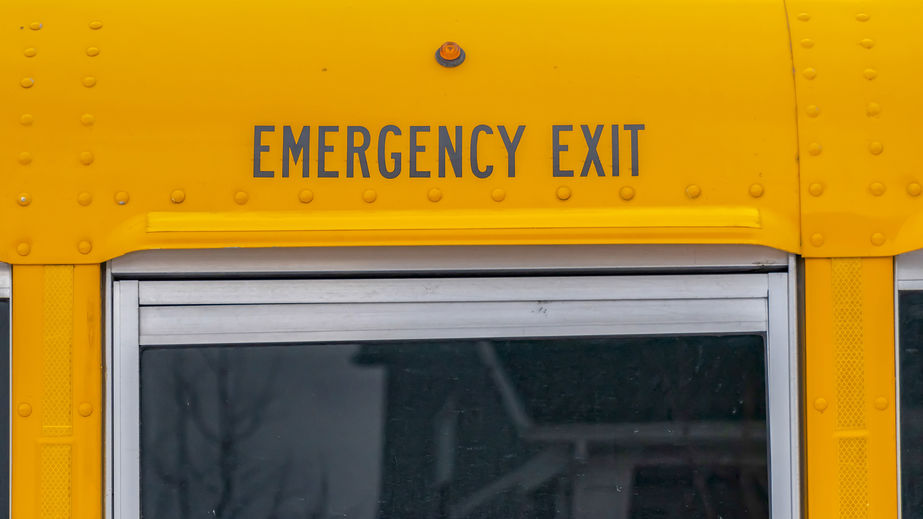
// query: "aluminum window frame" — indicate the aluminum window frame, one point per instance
point(780, 330)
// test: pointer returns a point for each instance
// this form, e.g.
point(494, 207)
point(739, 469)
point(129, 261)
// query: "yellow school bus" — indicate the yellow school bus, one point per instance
point(481, 259)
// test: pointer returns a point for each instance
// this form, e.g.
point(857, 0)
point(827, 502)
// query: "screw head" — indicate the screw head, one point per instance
point(87, 119)
point(434, 195)
point(627, 193)
point(86, 158)
point(84, 198)
point(89, 81)
point(92, 51)
point(84, 247)
point(25, 158)
point(756, 190)
point(23, 248)
point(878, 239)
point(305, 196)
point(30, 52)
point(812, 110)
point(24, 199)
point(177, 196)
point(820, 404)
point(816, 189)
point(121, 197)
point(563, 193)
point(817, 239)
point(872, 109)
point(24, 409)
point(85, 409)
point(877, 188)
point(26, 82)
point(369, 195)
point(881, 403)
point(814, 148)
point(914, 189)
point(809, 73)
point(35, 26)
point(96, 25)
point(875, 148)
point(693, 191)
point(26, 119)
point(498, 195)
point(241, 197)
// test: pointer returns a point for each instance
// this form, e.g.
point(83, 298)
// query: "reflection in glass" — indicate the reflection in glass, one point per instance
point(910, 311)
point(582, 428)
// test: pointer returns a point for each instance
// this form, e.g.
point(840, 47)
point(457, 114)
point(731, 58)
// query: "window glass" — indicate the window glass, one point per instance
point(911, 372)
point(665, 427)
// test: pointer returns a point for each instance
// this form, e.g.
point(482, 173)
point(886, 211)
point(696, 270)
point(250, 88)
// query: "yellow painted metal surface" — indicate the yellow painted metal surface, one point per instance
point(56, 442)
point(850, 436)
point(127, 128)
point(859, 76)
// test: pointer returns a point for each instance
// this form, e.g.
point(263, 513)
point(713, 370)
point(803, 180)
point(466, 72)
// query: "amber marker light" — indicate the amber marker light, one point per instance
point(450, 54)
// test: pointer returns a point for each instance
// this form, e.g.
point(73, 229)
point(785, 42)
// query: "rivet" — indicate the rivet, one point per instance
point(23, 248)
point(872, 109)
point(84, 198)
point(867, 43)
point(35, 26)
point(25, 158)
point(241, 197)
point(24, 199)
point(86, 158)
point(177, 196)
point(89, 81)
point(85, 409)
point(498, 195)
point(814, 148)
point(26, 82)
point(84, 247)
point(96, 25)
point(877, 238)
point(121, 197)
point(756, 190)
point(30, 52)
point(24, 409)
point(812, 110)
point(87, 119)
point(92, 51)
point(816, 189)
point(870, 74)
point(877, 188)
point(807, 43)
point(881, 403)
point(804, 17)
point(26, 119)
point(627, 193)
point(875, 148)
point(817, 239)
point(693, 191)
point(369, 195)
point(809, 73)
point(862, 17)
point(434, 195)
point(820, 404)
point(914, 189)
point(563, 193)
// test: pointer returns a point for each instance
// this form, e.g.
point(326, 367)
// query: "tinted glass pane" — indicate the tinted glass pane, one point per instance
point(665, 427)
point(911, 370)
point(4, 397)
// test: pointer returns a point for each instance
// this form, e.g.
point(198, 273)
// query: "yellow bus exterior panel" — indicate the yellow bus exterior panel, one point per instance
point(858, 79)
point(130, 117)
point(56, 442)
point(851, 451)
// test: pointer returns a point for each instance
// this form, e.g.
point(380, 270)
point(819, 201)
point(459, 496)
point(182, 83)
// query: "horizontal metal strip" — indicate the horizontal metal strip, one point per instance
point(910, 284)
point(641, 217)
point(452, 289)
point(377, 321)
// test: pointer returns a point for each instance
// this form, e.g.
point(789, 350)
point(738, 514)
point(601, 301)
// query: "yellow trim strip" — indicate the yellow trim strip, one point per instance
point(666, 217)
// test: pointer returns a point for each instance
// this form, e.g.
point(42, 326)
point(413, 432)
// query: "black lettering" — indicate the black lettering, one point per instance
point(293, 148)
point(414, 149)
point(557, 148)
point(352, 149)
point(453, 151)
point(474, 151)
point(615, 150)
point(592, 155)
point(634, 129)
point(396, 156)
point(323, 149)
point(258, 148)
point(511, 148)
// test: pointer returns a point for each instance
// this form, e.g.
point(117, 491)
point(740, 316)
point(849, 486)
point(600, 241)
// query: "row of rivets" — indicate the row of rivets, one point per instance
point(877, 239)
point(25, 409)
point(880, 403)
point(875, 188)
point(306, 196)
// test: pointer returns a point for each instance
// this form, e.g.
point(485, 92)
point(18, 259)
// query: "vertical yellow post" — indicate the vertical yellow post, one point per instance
point(56, 392)
point(851, 455)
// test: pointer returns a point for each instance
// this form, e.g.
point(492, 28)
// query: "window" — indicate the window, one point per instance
point(542, 396)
